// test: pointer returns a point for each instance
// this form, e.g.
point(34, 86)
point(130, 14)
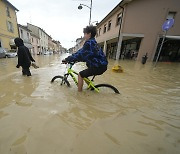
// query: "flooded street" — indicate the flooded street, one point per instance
point(37, 117)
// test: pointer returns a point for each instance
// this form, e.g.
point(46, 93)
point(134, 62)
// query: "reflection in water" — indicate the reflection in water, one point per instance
point(139, 133)
point(39, 117)
point(112, 138)
point(20, 140)
point(2, 114)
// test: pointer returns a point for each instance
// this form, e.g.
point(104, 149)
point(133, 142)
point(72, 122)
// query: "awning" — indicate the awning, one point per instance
point(173, 37)
point(11, 42)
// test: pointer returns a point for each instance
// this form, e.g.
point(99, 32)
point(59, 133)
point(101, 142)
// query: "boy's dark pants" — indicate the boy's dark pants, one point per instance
point(93, 71)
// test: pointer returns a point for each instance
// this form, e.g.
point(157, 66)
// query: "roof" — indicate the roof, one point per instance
point(6, 1)
point(56, 42)
point(117, 7)
point(24, 27)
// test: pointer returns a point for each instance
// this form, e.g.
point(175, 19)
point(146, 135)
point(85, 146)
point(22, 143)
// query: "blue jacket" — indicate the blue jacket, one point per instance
point(89, 53)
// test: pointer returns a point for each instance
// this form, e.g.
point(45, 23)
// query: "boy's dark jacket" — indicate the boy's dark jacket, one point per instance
point(24, 56)
point(89, 53)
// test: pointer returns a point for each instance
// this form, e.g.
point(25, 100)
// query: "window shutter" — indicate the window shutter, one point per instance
point(7, 25)
point(12, 27)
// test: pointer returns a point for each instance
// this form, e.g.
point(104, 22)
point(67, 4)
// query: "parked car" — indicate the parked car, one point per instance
point(50, 52)
point(11, 53)
point(46, 53)
point(2, 53)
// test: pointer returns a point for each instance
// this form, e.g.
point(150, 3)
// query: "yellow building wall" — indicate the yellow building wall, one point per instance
point(5, 35)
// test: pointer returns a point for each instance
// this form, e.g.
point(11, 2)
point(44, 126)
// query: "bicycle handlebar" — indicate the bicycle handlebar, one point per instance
point(71, 63)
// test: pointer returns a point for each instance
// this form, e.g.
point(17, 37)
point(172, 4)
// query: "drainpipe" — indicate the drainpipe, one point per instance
point(120, 27)
point(105, 48)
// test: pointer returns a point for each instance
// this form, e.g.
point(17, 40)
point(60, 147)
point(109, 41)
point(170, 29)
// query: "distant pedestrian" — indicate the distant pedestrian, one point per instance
point(24, 57)
point(144, 58)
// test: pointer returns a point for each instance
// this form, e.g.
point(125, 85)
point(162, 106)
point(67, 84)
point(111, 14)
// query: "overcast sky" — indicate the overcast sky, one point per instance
point(60, 18)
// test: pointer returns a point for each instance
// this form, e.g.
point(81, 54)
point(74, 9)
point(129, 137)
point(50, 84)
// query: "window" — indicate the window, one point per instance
point(21, 33)
point(32, 39)
point(105, 28)
point(0, 44)
point(171, 15)
point(97, 34)
point(109, 25)
point(99, 31)
point(7, 11)
point(10, 26)
point(119, 18)
point(37, 41)
point(28, 35)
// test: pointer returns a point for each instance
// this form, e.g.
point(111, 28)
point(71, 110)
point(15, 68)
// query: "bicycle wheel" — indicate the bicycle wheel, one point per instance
point(106, 86)
point(64, 80)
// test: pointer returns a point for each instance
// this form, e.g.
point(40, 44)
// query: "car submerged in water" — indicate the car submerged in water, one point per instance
point(2, 53)
point(11, 53)
point(48, 52)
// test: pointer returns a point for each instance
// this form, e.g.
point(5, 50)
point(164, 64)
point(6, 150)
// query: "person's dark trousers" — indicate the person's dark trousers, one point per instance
point(26, 71)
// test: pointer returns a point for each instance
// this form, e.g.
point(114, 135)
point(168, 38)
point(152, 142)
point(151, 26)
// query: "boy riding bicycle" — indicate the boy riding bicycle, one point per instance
point(91, 54)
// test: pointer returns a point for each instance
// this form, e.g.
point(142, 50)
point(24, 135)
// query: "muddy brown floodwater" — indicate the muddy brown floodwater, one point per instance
point(37, 117)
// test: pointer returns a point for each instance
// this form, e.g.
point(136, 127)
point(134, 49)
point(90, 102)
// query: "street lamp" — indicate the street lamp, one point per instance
point(95, 22)
point(90, 7)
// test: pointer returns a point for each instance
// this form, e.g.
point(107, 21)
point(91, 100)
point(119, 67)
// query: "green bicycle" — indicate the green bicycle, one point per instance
point(91, 86)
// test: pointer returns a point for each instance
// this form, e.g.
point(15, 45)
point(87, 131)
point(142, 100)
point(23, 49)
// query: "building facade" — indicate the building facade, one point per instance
point(40, 33)
point(56, 46)
point(25, 35)
point(50, 43)
point(8, 25)
point(35, 41)
point(134, 28)
point(79, 43)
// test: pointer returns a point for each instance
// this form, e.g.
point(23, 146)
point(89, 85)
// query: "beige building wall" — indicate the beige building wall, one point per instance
point(55, 47)
point(36, 46)
point(34, 29)
point(147, 17)
point(50, 44)
point(43, 40)
point(25, 35)
point(42, 35)
point(106, 39)
point(141, 19)
point(7, 34)
point(113, 32)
